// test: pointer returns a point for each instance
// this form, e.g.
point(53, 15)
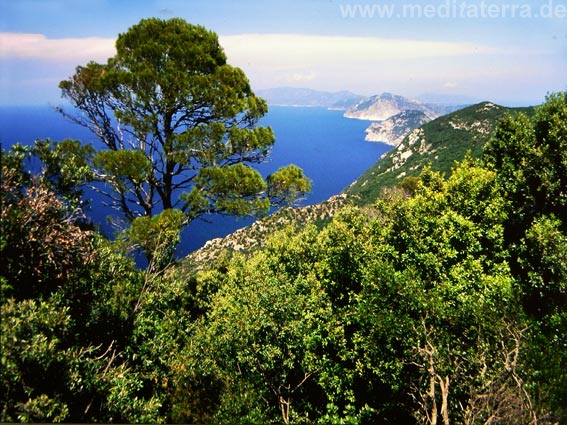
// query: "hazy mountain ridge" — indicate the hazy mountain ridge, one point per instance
point(291, 96)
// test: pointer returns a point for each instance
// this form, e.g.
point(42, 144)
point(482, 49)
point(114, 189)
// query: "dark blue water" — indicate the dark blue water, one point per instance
point(330, 149)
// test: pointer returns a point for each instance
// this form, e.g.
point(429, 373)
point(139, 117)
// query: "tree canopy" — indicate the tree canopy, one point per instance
point(179, 124)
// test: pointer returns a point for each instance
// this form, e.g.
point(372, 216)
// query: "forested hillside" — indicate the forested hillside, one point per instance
point(443, 301)
point(439, 298)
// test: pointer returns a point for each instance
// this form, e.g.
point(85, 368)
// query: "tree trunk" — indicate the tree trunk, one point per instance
point(432, 377)
point(444, 398)
point(284, 407)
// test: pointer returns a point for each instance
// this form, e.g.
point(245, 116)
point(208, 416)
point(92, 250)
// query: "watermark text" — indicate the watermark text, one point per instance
point(454, 9)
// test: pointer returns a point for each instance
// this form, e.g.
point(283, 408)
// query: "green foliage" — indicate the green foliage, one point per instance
point(439, 290)
point(34, 365)
point(530, 158)
point(354, 310)
point(41, 240)
point(68, 301)
point(262, 332)
point(406, 311)
point(529, 155)
point(124, 166)
point(543, 262)
point(105, 291)
point(232, 189)
point(546, 360)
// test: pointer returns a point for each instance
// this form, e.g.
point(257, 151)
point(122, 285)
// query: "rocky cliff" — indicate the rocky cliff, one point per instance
point(393, 130)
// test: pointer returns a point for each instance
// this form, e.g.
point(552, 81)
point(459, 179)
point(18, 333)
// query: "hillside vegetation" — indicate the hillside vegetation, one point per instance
point(441, 300)
point(438, 143)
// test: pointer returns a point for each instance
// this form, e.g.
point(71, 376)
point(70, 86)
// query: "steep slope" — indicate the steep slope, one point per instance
point(393, 130)
point(440, 143)
point(254, 236)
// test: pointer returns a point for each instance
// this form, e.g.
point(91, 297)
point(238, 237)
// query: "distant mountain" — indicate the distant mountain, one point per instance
point(383, 106)
point(393, 130)
point(290, 96)
point(439, 143)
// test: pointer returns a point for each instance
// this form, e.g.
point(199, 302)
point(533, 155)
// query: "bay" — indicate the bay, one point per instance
point(330, 148)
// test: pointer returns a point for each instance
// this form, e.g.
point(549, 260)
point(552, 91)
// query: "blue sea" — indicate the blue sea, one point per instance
point(330, 148)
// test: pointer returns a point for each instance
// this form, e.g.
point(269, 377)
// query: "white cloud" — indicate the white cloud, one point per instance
point(366, 64)
point(450, 85)
point(296, 77)
point(282, 48)
point(291, 52)
point(38, 46)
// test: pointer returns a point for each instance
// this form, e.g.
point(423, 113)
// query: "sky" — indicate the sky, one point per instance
point(512, 52)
